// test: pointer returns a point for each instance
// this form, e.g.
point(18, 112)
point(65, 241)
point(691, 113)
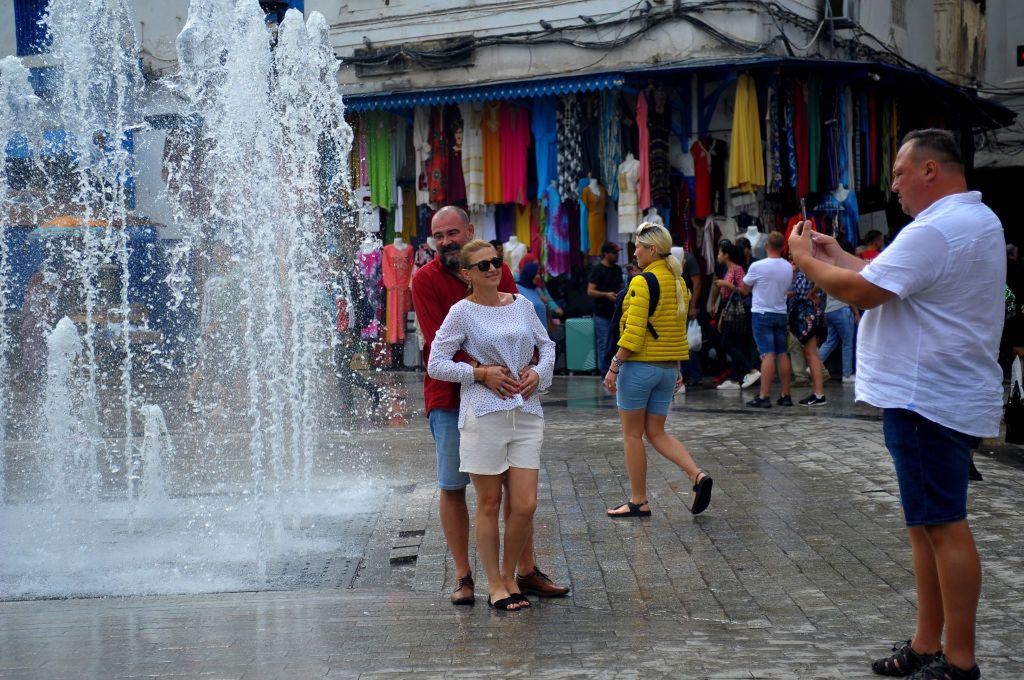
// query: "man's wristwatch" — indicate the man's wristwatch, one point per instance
point(617, 361)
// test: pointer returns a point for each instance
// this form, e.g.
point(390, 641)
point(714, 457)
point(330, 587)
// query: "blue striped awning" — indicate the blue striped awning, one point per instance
point(511, 90)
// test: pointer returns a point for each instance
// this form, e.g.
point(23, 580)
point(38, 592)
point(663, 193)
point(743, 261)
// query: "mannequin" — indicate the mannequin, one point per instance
point(757, 241)
point(369, 243)
point(514, 251)
point(653, 217)
point(628, 177)
point(396, 268)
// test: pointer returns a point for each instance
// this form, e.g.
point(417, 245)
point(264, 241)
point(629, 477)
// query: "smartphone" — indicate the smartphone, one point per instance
point(803, 209)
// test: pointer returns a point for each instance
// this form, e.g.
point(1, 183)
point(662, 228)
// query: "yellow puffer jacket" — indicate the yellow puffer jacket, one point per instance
point(671, 343)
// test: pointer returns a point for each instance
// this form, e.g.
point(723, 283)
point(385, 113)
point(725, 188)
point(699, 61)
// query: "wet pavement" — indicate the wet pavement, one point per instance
point(799, 569)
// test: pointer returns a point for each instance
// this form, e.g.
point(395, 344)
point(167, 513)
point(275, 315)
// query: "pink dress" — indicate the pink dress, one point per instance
point(644, 184)
point(515, 145)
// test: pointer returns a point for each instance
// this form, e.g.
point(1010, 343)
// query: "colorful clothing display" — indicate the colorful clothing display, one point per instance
point(396, 268)
point(437, 166)
point(368, 263)
point(569, 153)
point(490, 129)
point(611, 143)
point(643, 190)
point(544, 124)
point(381, 170)
point(557, 232)
point(514, 135)
point(747, 169)
point(595, 197)
point(629, 211)
point(472, 152)
point(659, 125)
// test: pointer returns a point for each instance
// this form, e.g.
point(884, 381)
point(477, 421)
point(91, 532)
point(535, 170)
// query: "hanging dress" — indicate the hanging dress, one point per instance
point(396, 267)
point(490, 128)
point(644, 183)
point(472, 153)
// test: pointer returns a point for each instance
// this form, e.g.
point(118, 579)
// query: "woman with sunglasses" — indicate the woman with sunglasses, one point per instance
point(644, 371)
point(499, 433)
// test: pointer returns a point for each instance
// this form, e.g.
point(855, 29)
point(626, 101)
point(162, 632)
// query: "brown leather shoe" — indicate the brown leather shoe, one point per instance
point(463, 593)
point(540, 585)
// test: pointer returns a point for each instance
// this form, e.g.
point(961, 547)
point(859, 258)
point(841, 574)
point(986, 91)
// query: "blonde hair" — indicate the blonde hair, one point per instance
point(474, 246)
point(649, 234)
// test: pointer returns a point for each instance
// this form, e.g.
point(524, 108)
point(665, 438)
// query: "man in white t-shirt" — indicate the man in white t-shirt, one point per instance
point(770, 280)
point(935, 307)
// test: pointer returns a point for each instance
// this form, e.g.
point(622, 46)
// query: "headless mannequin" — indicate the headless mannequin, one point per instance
point(653, 217)
point(755, 237)
point(400, 244)
point(514, 251)
point(369, 243)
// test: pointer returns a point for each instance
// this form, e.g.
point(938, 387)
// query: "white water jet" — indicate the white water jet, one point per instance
point(258, 173)
point(72, 434)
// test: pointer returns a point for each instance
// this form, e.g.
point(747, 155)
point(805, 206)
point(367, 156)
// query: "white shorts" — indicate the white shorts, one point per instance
point(491, 444)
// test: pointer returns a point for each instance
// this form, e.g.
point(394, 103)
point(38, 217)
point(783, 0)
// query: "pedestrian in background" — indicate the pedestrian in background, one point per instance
point(733, 334)
point(645, 371)
point(934, 301)
point(604, 284)
point(769, 280)
point(806, 321)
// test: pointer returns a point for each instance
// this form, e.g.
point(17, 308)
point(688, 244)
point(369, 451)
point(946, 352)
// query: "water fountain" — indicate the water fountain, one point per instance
point(100, 493)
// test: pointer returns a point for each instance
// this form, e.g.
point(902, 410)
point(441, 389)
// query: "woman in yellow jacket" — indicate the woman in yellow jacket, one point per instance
point(644, 372)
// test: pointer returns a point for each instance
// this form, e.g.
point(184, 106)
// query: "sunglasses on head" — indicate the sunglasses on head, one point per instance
point(485, 265)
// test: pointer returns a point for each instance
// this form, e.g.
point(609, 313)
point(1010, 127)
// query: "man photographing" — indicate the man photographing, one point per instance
point(935, 309)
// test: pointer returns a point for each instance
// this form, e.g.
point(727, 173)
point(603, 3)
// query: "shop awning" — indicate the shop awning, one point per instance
point(948, 99)
point(519, 89)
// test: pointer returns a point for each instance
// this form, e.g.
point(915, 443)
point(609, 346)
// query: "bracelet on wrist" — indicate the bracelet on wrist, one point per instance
point(617, 361)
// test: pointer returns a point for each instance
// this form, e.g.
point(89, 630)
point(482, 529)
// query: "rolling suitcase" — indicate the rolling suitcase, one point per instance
point(580, 350)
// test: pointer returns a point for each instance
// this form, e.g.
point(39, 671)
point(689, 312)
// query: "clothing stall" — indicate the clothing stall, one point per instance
point(557, 167)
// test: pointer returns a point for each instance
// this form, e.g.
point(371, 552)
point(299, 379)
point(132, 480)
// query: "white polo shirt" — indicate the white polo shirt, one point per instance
point(933, 349)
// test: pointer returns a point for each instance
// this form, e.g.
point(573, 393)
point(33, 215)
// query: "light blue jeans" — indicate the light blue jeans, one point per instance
point(840, 329)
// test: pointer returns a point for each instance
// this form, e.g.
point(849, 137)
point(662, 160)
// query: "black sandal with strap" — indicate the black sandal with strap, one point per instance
point(903, 661)
point(701, 493)
point(634, 510)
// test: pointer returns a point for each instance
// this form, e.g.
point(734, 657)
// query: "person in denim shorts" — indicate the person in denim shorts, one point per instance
point(644, 371)
point(934, 308)
point(769, 280)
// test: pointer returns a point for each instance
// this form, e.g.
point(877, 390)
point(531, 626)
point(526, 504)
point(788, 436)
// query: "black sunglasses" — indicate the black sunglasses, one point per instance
point(485, 265)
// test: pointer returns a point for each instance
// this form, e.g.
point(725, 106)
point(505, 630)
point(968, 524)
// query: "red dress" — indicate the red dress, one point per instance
point(396, 268)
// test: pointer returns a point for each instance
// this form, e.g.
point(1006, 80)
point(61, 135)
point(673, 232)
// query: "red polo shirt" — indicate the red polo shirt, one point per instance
point(434, 291)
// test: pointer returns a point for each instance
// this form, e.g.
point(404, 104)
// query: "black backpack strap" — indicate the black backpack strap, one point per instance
point(654, 294)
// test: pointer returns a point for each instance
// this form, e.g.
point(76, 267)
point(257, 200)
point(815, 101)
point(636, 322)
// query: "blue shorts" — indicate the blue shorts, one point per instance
point(444, 426)
point(770, 332)
point(932, 463)
point(644, 386)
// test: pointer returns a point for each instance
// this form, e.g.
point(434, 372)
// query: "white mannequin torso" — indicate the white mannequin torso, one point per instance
point(514, 250)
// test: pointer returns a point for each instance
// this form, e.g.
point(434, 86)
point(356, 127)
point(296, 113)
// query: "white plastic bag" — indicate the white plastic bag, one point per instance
point(693, 336)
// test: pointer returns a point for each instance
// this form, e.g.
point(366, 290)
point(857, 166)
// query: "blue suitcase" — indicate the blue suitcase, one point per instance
point(580, 350)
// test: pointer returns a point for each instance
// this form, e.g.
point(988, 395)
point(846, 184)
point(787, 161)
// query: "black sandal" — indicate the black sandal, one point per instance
point(903, 661)
point(634, 510)
point(701, 493)
point(524, 603)
point(505, 604)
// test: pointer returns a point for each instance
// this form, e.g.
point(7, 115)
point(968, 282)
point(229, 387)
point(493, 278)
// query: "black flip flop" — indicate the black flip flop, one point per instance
point(702, 494)
point(634, 510)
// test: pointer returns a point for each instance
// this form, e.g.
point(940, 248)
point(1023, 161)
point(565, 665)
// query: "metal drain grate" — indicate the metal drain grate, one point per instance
point(313, 572)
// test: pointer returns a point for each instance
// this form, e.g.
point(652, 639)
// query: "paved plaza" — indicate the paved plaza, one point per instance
point(799, 569)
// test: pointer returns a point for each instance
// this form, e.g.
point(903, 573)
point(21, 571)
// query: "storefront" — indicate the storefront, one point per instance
point(712, 148)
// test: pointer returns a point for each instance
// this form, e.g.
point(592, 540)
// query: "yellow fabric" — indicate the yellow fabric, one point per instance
point(671, 343)
point(523, 224)
point(490, 128)
point(746, 159)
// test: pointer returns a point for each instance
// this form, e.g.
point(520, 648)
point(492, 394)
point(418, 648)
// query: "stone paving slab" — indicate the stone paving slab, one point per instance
point(800, 568)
